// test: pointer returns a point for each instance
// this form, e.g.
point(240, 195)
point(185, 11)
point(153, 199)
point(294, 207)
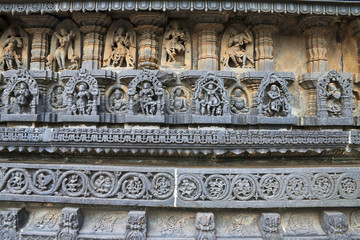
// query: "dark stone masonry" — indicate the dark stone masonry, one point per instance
point(183, 120)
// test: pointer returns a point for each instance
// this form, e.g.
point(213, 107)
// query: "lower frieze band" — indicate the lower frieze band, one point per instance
point(74, 223)
point(181, 187)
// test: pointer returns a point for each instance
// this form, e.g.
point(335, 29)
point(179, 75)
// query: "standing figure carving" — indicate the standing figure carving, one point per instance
point(120, 45)
point(12, 44)
point(65, 50)
point(335, 93)
point(273, 97)
point(176, 46)
point(82, 93)
point(237, 48)
point(210, 96)
point(238, 103)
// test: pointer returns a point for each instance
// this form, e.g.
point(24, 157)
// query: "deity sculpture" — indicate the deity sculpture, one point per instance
point(236, 51)
point(121, 49)
point(117, 103)
point(82, 105)
point(57, 97)
point(177, 100)
point(65, 50)
point(273, 97)
point(238, 103)
point(9, 54)
point(211, 98)
point(22, 96)
point(147, 103)
point(277, 102)
point(175, 40)
point(333, 103)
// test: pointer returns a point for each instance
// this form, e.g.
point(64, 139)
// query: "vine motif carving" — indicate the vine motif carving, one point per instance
point(105, 223)
point(76, 183)
point(173, 226)
point(273, 97)
point(48, 220)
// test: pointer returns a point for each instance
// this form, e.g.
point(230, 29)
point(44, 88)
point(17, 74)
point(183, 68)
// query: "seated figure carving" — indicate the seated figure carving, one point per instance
point(117, 103)
point(333, 103)
point(178, 101)
point(238, 103)
point(9, 54)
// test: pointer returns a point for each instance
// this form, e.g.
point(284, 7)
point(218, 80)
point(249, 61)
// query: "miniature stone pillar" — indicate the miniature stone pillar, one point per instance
point(208, 26)
point(93, 25)
point(149, 28)
point(136, 226)
point(264, 27)
point(314, 29)
point(335, 225)
point(11, 220)
point(40, 28)
point(71, 221)
point(355, 29)
point(205, 226)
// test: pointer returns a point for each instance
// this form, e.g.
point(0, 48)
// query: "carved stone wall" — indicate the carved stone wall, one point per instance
point(179, 120)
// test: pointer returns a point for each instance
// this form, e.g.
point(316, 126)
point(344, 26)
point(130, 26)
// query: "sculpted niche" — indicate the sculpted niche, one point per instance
point(273, 97)
point(146, 95)
point(237, 48)
point(120, 45)
point(210, 96)
point(82, 98)
point(13, 49)
point(179, 100)
point(21, 97)
point(115, 98)
point(334, 95)
point(65, 52)
point(176, 47)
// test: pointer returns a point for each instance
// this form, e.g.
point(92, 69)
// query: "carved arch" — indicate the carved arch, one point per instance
point(262, 100)
point(346, 87)
point(24, 76)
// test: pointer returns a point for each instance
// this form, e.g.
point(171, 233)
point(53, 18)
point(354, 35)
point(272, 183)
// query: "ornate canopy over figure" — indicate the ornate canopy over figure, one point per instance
point(334, 95)
point(82, 94)
point(146, 95)
point(21, 96)
point(65, 47)
point(13, 49)
point(237, 47)
point(273, 97)
point(120, 45)
point(210, 96)
point(176, 46)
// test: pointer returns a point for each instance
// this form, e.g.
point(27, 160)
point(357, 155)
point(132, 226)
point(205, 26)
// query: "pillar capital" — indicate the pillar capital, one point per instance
point(39, 21)
point(148, 18)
